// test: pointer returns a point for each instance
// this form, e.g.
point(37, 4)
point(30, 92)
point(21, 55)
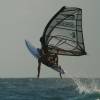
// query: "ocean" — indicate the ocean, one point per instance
point(49, 89)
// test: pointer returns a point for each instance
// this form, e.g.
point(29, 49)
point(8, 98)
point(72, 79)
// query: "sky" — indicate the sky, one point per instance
point(26, 19)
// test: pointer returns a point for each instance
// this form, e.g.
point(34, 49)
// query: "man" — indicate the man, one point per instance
point(50, 60)
point(43, 56)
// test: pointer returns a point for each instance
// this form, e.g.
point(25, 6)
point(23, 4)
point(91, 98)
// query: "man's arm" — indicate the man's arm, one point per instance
point(39, 67)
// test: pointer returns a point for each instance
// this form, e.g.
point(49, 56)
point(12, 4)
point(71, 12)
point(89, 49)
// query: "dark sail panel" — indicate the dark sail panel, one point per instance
point(63, 34)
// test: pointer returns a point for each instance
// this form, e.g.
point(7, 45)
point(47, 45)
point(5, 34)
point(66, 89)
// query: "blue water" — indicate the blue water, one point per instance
point(49, 89)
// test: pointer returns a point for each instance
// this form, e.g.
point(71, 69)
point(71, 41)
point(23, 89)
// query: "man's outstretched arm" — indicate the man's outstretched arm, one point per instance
point(39, 67)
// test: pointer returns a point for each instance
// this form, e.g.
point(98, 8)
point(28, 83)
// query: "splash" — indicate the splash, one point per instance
point(87, 85)
point(97, 99)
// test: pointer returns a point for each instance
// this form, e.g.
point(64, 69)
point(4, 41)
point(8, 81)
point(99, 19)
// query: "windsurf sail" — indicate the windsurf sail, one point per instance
point(63, 34)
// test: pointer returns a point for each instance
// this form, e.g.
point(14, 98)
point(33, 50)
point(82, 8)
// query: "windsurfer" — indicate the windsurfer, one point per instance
point(48, 60)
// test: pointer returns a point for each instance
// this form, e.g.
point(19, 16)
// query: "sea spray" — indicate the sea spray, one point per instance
point(85, 85)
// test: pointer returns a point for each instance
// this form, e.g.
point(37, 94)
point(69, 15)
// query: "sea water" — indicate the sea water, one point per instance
point(49, 89)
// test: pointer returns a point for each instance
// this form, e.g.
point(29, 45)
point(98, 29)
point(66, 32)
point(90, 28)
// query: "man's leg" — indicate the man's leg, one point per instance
point(39, 68)
point(60, 75)
point(60, 72)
